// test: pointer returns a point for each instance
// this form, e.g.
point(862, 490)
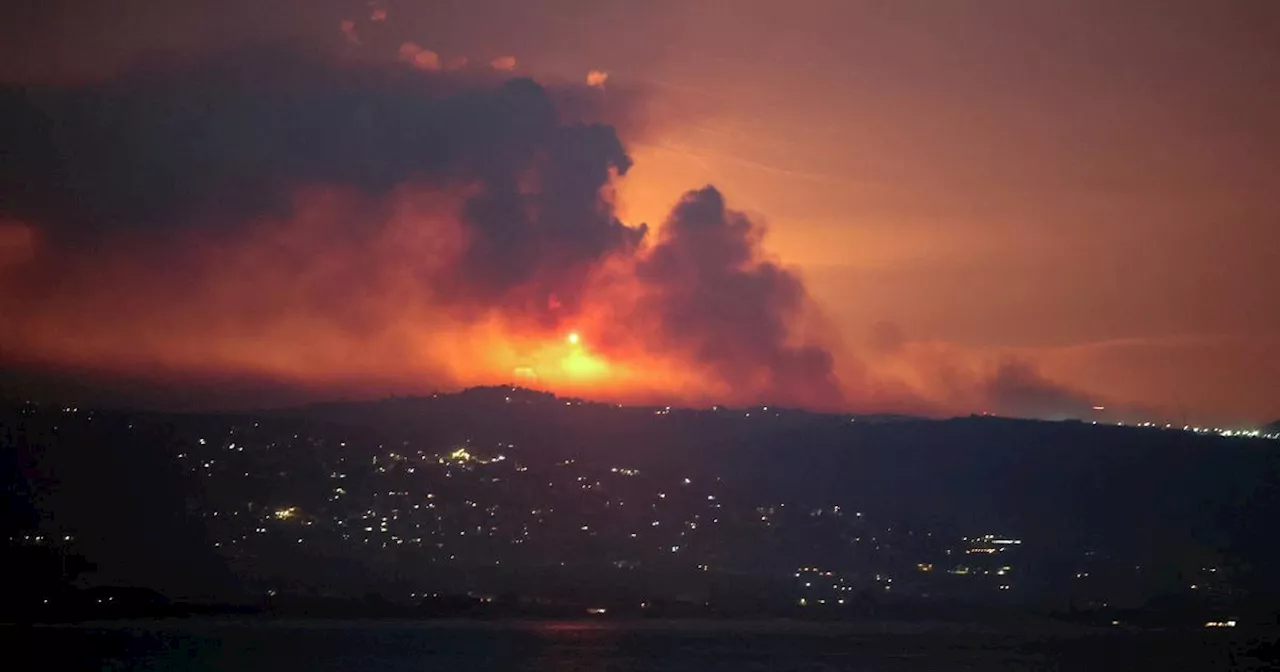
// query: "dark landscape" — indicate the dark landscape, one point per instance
point(627, 528)
point(508, 502)
point(652, 335)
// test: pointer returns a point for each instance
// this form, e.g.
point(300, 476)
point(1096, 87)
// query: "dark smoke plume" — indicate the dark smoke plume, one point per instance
point(731, 310)
point(146, 163)
point(1017, 388)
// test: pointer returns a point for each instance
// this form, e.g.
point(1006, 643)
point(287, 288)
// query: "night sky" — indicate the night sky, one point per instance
point(1027, 208)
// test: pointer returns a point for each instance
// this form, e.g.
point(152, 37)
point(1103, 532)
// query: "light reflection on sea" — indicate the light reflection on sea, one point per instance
point(590, 646)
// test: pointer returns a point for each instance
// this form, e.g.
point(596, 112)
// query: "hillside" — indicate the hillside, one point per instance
point(501, 490)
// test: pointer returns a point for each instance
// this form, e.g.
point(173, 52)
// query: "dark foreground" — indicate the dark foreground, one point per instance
point(603, 645)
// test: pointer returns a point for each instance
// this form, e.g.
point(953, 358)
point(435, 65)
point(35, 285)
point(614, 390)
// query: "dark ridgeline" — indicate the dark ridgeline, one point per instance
point(507, 501)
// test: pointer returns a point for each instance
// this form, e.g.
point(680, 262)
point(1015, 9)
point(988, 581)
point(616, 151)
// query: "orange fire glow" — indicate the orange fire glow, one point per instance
point(298, 300)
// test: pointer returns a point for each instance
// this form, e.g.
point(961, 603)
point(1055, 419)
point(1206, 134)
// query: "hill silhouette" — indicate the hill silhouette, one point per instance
point(504, 489)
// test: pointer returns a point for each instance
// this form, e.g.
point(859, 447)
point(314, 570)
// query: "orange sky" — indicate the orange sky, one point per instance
point(1089, 187)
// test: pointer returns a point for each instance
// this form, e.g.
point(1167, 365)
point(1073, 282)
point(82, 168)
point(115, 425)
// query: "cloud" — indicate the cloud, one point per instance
point(597, 78)
point(378, 14)
point(264, 214)
point(937, 377)
point(420, 58)
point(503, 63)
point(348, 28)
point(223, 143)
point(1018, 389)
point(713, 295)
point(234, 135)
point(359, 227)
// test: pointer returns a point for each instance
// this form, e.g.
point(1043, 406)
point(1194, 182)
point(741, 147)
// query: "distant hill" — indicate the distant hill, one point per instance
point(495, 477)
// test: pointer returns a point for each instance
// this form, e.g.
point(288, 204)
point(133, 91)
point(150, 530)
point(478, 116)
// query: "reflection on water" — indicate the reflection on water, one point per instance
point(594, 646)
point(575, 646)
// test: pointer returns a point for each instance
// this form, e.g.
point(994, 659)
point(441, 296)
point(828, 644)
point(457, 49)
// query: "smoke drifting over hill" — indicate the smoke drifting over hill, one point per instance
point(312, 219)
point(359, 227)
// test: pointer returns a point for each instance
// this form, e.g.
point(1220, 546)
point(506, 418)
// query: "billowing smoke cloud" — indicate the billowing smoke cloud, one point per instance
point(246, 209)
point(225, 142)
point(360, 227)
point(426, 59)
point(928, 375)
point(716, 299)
point(1017, 388)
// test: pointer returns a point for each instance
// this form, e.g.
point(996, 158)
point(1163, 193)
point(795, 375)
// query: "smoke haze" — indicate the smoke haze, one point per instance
point(359, 227)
